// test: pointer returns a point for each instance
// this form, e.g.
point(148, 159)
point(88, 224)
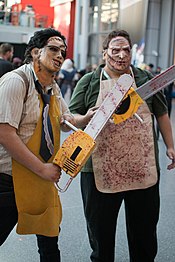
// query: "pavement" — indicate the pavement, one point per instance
point(73, 239)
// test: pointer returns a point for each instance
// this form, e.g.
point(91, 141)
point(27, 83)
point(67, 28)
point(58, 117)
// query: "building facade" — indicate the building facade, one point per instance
point(85, 23)
point(151, 24)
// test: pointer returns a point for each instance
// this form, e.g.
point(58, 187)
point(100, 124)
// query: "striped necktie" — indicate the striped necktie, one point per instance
point(46, 145)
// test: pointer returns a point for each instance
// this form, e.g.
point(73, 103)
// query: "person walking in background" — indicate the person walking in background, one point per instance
point(158, 70)
point(32, 111)
point(79, 75)
point(124, 166)
point(6, 54)
point(67, 76)
point(17, 62)
point(150, 68)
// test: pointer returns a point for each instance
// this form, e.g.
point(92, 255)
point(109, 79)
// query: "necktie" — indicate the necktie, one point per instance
point(46, 145)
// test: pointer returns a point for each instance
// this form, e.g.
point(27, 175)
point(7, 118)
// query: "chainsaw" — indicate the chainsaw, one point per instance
point(78, 146)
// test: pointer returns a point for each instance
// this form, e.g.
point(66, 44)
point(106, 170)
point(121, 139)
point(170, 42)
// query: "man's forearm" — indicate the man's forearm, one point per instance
point(166, 130)
point(18, 150)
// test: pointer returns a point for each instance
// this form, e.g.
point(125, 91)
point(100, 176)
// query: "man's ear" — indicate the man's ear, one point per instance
point(35, 52)
point(104, 52)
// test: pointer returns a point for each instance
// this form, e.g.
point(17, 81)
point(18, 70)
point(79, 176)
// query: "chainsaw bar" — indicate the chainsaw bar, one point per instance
point(157, 83)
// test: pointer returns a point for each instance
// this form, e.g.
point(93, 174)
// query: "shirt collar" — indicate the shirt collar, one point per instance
point(35, 78)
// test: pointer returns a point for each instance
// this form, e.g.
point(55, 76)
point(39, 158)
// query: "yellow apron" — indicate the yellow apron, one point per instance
point(124, 157)
point(37, 200)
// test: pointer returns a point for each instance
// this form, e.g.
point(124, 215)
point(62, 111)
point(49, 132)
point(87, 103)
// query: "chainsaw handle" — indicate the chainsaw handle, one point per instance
point(62, 190)
point(70, 125)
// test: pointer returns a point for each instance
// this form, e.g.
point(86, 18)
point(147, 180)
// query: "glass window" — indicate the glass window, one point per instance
point(114, 19)
point(93, 3)
point(103, 19)
point(105, 4)
point(114, 4)
point(93, 22)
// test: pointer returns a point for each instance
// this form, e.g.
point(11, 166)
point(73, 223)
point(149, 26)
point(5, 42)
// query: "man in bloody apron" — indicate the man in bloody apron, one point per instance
point(32, 112)
point(124, 165)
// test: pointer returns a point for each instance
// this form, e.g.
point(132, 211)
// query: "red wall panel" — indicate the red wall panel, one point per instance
point(42, 8)
point(64, 21)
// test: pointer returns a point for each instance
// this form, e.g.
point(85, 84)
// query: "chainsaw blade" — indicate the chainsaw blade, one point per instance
point(157, 83)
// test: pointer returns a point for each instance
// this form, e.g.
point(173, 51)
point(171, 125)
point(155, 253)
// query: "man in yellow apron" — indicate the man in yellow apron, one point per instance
point(32, 112)
point(124, 165)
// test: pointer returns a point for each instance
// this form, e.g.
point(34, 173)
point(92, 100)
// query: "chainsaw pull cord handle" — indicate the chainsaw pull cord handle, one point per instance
point(74, 128)
point(62, 190)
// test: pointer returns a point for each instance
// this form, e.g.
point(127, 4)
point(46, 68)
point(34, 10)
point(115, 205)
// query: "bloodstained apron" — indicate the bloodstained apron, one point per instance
point(124, 156)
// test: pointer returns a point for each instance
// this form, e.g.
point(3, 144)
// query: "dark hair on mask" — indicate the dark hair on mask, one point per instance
point(114, 34)
point(39, 40)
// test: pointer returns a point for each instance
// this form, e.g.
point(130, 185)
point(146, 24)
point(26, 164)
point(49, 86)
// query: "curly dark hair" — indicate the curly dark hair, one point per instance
point(39, 40)
point(114, 34)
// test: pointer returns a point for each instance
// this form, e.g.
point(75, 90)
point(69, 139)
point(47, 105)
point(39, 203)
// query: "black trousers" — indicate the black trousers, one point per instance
point(47, 246)
point(101, 212)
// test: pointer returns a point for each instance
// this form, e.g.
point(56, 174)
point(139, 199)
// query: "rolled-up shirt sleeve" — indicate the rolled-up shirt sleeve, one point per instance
point(12, 93)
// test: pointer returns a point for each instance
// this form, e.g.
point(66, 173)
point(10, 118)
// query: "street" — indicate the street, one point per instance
point(73, 241)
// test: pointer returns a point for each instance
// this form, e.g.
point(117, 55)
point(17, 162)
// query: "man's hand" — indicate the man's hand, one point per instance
point(90, 113)
point(50, 172)
point(166, 131)
point(171, 154)
point(70, 118)
point(83, 120)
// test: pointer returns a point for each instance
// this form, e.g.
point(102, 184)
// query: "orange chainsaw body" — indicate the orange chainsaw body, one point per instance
point(74, 152)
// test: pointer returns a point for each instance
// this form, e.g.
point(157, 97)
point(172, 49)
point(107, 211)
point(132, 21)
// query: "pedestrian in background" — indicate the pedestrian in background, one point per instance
point(150, 68)
point(32, 112)
point(6, 54)
point(67, 76)
point(124, 165)
point(17, 62)
point(158, 70)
